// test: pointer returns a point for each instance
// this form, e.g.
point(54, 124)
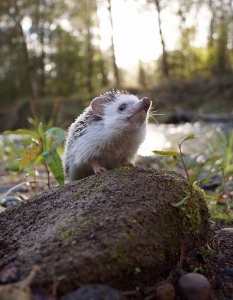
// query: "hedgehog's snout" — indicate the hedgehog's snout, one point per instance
point(146, 103)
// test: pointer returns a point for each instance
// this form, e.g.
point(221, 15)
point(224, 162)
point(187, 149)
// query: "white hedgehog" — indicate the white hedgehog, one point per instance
point(107, 135)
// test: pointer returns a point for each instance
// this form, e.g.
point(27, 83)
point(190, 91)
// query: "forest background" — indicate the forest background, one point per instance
point(54, 58)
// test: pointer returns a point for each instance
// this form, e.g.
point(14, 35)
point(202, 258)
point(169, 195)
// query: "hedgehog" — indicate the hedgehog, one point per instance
point(106, 135)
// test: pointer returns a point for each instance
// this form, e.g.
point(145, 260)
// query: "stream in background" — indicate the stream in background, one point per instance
point(208, 137)
point(167, 136)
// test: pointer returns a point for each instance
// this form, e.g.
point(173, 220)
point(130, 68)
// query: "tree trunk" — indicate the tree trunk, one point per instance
point(222, 59)
point(29, 69)
point(115, 68)
point(165, 67)
point(89, 49)
point(211, 29)
point(42, 41)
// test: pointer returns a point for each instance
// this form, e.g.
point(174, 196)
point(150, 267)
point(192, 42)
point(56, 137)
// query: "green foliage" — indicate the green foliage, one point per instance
point(219, 161)
point(227, 153)
point(60, 54)
point(184, 165)
point(51, 59)
point(43, 148)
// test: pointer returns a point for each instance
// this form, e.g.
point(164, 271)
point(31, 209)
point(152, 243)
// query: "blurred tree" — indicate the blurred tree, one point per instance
point(53, 46)
point(49, 46)
point(165, 66)
point(142, 76)
point(220, 44)
point(28, 23)
point(159, 6)
point(16, 67)
point(112, 47)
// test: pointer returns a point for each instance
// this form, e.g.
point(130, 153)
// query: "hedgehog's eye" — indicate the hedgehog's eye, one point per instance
point(122, 107)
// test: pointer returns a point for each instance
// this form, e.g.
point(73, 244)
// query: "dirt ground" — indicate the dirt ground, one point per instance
point(214, 259)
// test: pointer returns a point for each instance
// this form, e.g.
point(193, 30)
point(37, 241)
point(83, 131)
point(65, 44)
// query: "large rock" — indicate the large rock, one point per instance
point(117, 228)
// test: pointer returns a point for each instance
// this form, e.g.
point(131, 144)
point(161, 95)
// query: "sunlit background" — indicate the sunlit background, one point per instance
point(136, 30)
point(57, 54)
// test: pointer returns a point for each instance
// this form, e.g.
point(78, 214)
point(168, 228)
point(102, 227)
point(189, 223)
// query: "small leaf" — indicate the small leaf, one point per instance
point(188, 137)
point(181, 202)
point(23, 131)
point(40, 129)
point(55, 131)
point(28, 155)
point(59, 134)
point(166, 153)
point(193, 177)
point(14, 165)
point(54, 162)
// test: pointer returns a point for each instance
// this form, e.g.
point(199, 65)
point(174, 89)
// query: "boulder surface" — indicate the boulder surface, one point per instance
point(119, 228)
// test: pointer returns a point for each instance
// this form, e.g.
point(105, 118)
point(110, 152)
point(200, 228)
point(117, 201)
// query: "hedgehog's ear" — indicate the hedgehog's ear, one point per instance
point(97, 106)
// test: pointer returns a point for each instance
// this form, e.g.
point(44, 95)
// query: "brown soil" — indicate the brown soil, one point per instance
point(213, 259)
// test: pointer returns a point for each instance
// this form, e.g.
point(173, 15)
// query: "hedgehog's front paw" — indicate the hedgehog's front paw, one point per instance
point(100, 170)
point(127, 163)
point(96, 166)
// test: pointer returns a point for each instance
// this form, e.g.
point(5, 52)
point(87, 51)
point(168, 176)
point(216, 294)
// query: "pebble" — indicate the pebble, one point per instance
point(6, 188)
point(220, 256)
point(215, 180)
point(9, 201)
point(94, 292)
point(229, 271)
point(194, 286)
point(226, 230)
point(229, 186)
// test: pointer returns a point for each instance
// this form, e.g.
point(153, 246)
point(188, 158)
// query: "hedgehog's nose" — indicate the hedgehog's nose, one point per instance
point(146, 103)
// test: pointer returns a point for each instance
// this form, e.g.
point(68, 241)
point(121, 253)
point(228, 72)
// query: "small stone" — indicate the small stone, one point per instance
point(220, 256)
point(94, 292)
point(9, 201)
point(229, 271)
point(194, 286)
point(215, 181)
point(229, 186)
point(165, 291)
point(227, 231)
point(6, 188)
point(180, 272)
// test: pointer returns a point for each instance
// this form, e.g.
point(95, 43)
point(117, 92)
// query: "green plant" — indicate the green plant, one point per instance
point(180, 156)
point(226, 154)
point(43, 148)
point(218, 161)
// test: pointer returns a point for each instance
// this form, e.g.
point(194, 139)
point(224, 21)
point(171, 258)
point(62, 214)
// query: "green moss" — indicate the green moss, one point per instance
point(125, 262)
point(191, 211)
point(161, 257)
point(201, 191)
point(125, 169)
point(65, 233)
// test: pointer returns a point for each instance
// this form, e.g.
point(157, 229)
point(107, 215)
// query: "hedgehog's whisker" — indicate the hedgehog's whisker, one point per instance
point(151, 116)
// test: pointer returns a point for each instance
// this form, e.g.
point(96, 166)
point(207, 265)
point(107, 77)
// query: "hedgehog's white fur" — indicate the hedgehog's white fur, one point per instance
point(105, 135)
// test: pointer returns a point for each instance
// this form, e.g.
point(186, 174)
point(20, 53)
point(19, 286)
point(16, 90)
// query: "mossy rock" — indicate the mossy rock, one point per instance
point(117, 228)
